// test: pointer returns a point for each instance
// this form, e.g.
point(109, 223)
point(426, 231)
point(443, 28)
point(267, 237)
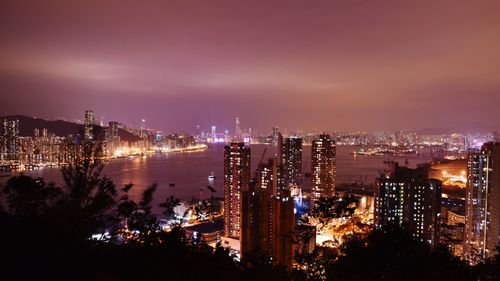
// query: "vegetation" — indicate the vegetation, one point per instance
point(327, 209)
point(394, 254)
point(46, 234)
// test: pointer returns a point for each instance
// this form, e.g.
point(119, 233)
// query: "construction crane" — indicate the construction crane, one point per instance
point(256, 173)
point(263, 154)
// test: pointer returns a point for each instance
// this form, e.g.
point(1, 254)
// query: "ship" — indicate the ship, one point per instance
point(211, 176)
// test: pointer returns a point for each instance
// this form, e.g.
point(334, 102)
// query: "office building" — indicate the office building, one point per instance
point(113, 137)
point(275, 134)
point(238, 133)
point(89, 126)
point(114, 128)
point(214, 132)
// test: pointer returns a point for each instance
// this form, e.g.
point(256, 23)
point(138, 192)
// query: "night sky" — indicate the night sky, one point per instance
point(310, 65)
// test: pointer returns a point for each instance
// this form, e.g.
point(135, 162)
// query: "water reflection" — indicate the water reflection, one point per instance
point(190, 171)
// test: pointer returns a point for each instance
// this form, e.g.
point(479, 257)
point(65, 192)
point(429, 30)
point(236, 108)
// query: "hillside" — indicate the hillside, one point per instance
point(61, 128)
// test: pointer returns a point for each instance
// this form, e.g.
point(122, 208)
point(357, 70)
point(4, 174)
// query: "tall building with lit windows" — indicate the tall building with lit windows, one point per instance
point(114, 128)
point(323, 171)
point(275, 135)
point(267, 216)
point(407, 198)
point(291, 155)
point(236, 178)
point(482, 211)
point(89, 126)
point(214, 132)
point(237, 130)
point(10, 148)
point(113, 137)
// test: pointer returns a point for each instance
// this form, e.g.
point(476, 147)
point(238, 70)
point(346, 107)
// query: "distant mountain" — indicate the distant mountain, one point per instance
point(27, 126)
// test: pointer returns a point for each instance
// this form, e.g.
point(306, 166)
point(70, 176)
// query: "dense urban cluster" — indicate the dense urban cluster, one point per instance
point(463, 218)
point(42, 147)
point(267, 225)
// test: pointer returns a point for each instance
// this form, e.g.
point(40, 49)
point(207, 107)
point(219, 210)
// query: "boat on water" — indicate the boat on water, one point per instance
point(211, 176)
point(171, 184)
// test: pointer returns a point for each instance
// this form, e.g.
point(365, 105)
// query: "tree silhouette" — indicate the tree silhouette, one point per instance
point(313, 266)
point(489, 269)
point(169, 206)
point(325, 209)
point(394, 254)
point(28, 197)
point(46, 234)
point(203, 211)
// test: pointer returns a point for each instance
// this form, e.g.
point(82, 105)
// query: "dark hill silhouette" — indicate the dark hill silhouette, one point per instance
point(61, 128)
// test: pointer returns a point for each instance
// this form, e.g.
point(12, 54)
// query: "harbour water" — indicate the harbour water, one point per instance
point(185, 174)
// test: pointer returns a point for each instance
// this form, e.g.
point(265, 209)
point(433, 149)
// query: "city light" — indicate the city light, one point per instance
point(207, 140)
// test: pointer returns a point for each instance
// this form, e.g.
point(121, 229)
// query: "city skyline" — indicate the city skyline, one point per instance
point(344, 66)
point(250, 140)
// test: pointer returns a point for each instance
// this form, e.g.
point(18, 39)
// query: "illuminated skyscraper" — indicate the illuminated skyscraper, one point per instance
point(267, 217)
point(291, 153)
point(482, 212)
point(236, 178)
point(197, 132)
point(408, 198)
point(9, 139)
point(113, 137)
point(323, 159)
point(237, 132)
point(143, 128)
point(275, 135)
point(89, 126)
point(113, 129)
point(214, 132)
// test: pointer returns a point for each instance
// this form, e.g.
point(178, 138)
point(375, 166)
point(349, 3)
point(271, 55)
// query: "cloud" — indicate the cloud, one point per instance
point(335, 64)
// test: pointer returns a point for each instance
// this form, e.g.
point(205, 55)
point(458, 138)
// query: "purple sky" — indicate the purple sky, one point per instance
point(341, 65)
